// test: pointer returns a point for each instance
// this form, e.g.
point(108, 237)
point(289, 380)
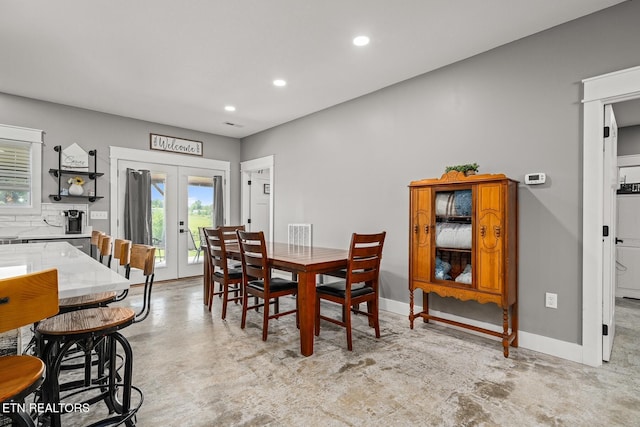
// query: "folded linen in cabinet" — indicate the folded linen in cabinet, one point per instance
point(453, 203)
point(453, 235)
point(465, 276)
point(442, 269)
point(445, 204)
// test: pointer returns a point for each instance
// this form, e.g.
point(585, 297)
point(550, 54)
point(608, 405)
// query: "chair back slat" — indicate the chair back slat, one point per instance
point(28, 298)
point(143, 258)
point(105, 245)
point(253, 252)
point(365, 254)
point(95, 236)
point(217, 250)
point(122, 251)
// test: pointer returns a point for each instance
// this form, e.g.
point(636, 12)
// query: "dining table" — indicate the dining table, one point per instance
point(78, 273)
point(307, 262)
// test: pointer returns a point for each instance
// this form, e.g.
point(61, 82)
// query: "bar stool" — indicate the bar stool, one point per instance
point(24, 300)
point(93, 329)
point(105, 249)
point(122, 252)
point(101, 299)
point(143, 258)
point(95, 236)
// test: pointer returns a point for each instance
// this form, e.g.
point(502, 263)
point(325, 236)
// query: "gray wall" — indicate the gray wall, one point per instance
point(513, 110)
point(65, 125)
point(629, 140)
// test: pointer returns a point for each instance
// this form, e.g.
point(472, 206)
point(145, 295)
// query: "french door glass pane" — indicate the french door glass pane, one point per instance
point(200, 206)
point(158, 215)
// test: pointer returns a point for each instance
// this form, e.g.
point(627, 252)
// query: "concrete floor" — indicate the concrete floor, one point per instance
point(197, 370)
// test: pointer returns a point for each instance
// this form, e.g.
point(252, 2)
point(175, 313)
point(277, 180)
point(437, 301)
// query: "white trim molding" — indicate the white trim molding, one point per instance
point(164, 158)
point(598, 91)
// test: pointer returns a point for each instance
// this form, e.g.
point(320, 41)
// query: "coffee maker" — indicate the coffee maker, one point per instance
point(73, 219)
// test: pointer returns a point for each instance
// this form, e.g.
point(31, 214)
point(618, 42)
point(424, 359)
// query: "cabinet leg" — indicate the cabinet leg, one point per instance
point(411, 308)
point(425, 305)
point(505, 331)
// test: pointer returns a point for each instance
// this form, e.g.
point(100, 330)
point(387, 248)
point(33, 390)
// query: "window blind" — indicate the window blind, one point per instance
point(15, 165)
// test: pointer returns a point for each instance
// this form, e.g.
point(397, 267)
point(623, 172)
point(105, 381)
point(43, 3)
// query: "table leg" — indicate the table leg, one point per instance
point(206, 276)
point(306, 310)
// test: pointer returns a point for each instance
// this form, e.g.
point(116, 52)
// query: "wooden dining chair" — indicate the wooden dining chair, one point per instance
point(360, 285)
point(208, 267)
point(230, 279)
point(257, 280)
point(24, 300)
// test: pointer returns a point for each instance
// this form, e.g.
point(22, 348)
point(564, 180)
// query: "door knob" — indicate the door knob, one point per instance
point(619, 241)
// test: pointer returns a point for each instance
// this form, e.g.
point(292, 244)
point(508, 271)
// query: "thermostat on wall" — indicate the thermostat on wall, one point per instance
point(535, 178)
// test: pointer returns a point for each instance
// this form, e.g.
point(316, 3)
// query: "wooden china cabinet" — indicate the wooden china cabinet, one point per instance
point(463, 244)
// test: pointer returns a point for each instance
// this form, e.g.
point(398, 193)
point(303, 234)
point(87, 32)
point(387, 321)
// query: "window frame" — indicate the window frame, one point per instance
point(34, 138)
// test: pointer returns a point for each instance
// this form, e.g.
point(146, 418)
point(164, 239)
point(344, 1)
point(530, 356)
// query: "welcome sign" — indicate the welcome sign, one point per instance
point(176, 145)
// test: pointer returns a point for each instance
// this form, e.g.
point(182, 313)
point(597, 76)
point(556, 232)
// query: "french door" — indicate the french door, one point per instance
point(182, 201)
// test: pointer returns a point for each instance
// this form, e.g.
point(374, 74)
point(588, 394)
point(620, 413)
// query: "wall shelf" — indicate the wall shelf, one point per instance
point(91, 174)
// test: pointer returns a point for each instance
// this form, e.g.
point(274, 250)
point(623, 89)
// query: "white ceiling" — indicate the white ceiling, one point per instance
point(180, 62)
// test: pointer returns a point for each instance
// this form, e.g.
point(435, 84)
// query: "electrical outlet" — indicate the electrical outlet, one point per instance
point(551, 300)
point(99, 215)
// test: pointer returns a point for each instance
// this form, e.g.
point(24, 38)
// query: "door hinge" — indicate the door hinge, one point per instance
point(249, 182)
point(605, 230)
point(607, 131)
point(605, 330)
point(249, 221)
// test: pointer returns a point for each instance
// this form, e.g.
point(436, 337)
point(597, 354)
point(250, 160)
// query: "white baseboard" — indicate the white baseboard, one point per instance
point(539, 343)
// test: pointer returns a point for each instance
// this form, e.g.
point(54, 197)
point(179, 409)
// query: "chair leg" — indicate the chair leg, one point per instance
point(375, 319)
point(265, 319)
point(225, 299)
point(370, 309)
point(245, 302)
point(212, 288)
point(347, 324)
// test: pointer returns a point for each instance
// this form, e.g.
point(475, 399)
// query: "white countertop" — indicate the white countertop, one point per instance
point(53, 236)
point(78, 273)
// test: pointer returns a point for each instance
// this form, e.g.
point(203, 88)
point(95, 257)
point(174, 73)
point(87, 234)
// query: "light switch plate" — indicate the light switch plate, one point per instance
point(99, 215)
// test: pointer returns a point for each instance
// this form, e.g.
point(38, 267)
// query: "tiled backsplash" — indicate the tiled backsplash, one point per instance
point(50, 222)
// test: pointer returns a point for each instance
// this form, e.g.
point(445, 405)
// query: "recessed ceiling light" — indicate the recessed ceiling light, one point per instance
point(229, 108)
point(279, 82)
point(361, 41)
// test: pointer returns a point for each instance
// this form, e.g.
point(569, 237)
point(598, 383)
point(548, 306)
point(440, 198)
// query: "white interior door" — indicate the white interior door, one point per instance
point(257, 200)
point(182, 201)
point(610, 187)
point(259, 203)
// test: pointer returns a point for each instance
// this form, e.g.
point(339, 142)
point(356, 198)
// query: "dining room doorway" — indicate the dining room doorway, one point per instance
point(182, 198)
point(258, 195)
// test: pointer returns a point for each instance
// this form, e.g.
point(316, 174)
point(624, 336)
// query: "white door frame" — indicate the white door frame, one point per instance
point(128, 154)
point(597, 91)
point(246, 168)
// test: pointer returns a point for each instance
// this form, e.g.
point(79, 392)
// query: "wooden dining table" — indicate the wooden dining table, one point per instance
point(306, 262)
